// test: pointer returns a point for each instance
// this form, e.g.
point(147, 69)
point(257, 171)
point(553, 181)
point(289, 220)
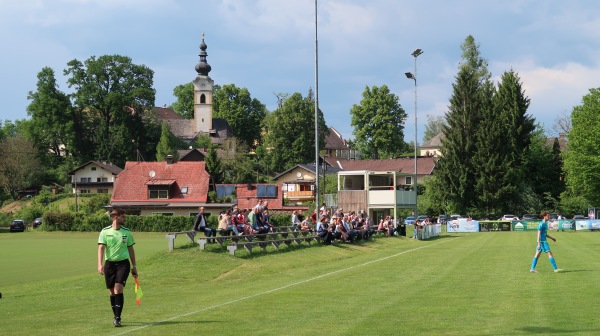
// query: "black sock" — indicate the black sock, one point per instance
point(112, 304)
point(119, 300)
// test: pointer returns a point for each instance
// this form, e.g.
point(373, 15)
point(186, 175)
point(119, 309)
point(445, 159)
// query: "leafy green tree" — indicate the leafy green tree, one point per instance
point(203, 141)
point(214, 166)
point(378, 124)
point(581, 161)
point(239, 169)
point(166, 145)
point(19, 163)
point(290, 132)
point(51, 124)
point(243, 113)
point(433, 127)
point(184, 105)
point(110, 100)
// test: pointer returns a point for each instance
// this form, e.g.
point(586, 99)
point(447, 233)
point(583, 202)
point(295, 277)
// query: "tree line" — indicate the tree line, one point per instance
point(494, 155)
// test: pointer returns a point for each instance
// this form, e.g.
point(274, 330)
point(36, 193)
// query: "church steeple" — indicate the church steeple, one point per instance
point(203, 68)
point(203, 94)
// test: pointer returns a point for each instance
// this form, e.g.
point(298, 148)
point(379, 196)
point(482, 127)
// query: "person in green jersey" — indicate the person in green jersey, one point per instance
point(115, 249)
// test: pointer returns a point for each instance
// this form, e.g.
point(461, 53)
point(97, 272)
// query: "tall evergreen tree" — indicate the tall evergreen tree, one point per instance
point(166, 145)
point(378, 123)
point(214, 166)
point(456, 167)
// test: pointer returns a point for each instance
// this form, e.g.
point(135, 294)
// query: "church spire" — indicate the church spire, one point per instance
point(203, 68)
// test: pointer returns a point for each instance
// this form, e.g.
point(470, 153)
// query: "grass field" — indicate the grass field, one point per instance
point(457, 284)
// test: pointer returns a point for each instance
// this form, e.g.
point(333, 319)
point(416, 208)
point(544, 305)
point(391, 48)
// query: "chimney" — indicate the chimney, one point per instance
point(169, 159)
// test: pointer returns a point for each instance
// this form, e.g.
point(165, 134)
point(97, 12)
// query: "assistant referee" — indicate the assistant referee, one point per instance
point(115, 249)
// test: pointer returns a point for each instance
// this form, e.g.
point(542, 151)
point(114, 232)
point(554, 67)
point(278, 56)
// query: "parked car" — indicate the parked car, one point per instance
point(17, 225)
point(37, 222)
point(509, 218)
point(443, 219)
point(579, 217)
point(529, 217)
point(410, 220)
point(553, 216)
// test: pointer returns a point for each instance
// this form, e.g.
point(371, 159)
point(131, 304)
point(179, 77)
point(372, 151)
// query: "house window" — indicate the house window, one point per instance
point(85, 179)
point(184, 190)
point(266, 191)
point(163, 213)
point(102, 179)
point(93, 168)
point(102, 191)
point(158, 193)
point(84, 191)
point(408, 180)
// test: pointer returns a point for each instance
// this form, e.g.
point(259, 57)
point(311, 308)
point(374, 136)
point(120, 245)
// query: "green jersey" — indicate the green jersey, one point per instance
point(117, 242)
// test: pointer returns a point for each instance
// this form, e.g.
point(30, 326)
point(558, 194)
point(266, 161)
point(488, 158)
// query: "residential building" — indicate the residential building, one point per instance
point(94, 177)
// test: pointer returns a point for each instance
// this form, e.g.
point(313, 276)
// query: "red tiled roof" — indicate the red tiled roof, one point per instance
point(131, 184)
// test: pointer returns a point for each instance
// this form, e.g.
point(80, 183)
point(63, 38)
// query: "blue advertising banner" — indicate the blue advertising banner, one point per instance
point(590, 224)
point(462, 225)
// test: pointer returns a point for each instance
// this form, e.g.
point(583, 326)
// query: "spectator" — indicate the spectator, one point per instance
point(324, 231)
point(295, 219)
point(226, 225)
point(200, 224)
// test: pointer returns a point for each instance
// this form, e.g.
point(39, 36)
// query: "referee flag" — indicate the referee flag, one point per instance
point(138, 292)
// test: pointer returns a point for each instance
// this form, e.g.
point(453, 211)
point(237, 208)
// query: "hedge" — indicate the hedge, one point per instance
point(65, 221)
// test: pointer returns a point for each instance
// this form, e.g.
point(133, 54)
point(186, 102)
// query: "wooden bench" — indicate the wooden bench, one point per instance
point(263, 244)
point(172, 235)
point(202, 241)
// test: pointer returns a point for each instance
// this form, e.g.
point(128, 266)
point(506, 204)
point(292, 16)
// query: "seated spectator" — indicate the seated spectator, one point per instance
point(323, 231)
point(226, 225)
point(200, 224)
point(306, 225)
point(350, 234)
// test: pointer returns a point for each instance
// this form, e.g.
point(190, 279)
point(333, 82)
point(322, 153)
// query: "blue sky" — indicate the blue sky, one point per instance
point(267, 46)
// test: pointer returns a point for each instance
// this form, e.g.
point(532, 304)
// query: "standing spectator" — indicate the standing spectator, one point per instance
point(115, 249)
point(542, 244)
point(295, 219)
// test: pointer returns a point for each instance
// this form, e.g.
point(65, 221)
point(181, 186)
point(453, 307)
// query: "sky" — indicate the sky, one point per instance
point(268, 47)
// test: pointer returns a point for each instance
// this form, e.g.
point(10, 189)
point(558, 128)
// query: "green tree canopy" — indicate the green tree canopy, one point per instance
point(433, 127)
point(378, 123)
point(51, 124)
point(184, 105)
point(290, 132)
point(112, 96)
point(581, 161)
point(243, 113)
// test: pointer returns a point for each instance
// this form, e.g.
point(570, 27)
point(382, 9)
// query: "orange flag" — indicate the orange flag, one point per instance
point(138, 292)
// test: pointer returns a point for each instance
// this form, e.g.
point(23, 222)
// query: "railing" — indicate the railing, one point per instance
point(308, 193)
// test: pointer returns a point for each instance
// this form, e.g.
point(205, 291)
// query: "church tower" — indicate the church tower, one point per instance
point(203, 95)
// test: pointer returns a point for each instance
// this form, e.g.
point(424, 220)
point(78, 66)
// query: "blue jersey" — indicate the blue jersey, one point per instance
point(543, 228)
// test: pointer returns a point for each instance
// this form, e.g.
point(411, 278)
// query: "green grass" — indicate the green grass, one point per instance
point(457, 284)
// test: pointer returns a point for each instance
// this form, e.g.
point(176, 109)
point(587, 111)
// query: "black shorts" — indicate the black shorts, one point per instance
point(116, 272)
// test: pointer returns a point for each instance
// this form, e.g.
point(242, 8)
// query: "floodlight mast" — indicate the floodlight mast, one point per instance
point(412, 76)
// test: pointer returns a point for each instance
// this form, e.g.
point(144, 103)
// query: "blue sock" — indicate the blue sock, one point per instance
point(553, 263)
point(533, 263)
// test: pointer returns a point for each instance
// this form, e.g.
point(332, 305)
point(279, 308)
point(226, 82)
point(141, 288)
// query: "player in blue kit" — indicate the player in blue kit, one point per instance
point(542, 243)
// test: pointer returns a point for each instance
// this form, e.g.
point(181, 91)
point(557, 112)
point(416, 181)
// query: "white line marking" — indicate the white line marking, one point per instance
point(280, 288)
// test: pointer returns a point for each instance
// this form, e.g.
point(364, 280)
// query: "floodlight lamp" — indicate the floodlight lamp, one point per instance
point(417, 52)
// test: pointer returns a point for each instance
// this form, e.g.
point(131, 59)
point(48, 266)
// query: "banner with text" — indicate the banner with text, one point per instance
point(462, 225)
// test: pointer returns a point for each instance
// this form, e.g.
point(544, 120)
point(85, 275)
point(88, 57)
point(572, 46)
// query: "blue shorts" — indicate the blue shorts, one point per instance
point(544, 247)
